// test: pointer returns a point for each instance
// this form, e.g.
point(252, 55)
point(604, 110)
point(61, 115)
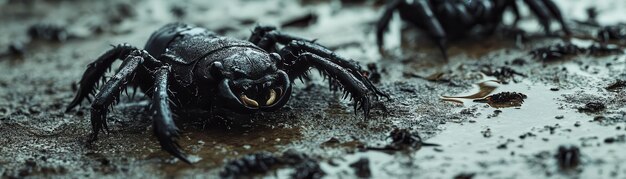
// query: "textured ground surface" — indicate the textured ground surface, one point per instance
point(38, 139)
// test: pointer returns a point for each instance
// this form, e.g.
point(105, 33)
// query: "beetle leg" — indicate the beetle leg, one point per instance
point(351, 84)
point(545, 10)
point(423, 16)
point(516, 12)
point(266, 38)
point(383, 23)
point(556, 13)
point(110, 92)
point(95, 71)
point(293, 49)
point(300, 56)
point(259, 32)
point(294, 45)
point(164, 126)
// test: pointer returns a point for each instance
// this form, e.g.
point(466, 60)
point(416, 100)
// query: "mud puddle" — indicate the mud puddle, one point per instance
point(517, 141)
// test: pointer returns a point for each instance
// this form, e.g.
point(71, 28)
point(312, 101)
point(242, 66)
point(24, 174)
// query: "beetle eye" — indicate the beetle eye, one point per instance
point(216, 70)
point(239, 73)
point(275, 57)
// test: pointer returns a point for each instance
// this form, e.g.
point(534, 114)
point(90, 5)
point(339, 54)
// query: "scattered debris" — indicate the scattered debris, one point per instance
point(302, 21)
point(465, 176)
point(568, 157)
point(616, 86)
point(503, 99)
point(249, 164)
point(551, 129)
point(519, 35)
point(613, 32)
point(48, 32)
point(304, 166)
point(504, 74)
point(484, 89)
point(618, 139)
point(352, 2)
point(16, 48)
point(262, 162)
point(362, 168)
point(518, 62)
point(178, 11)
point(373, 74)
point(592, 107)
point(496, 113)
point(331, 142)
point(504, 145)
point(600, 50)
point(599, 118)
point(486, 133)
point(120, 12)
point(32, 169)
point(592, 14)
point(555, 52)
point(403, 139)
point(469, 111)
point(435, 77)
point(528, 134)
point(560, 51)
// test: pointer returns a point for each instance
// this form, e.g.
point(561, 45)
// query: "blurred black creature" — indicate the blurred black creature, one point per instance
point(186, 67)
point(454, 19)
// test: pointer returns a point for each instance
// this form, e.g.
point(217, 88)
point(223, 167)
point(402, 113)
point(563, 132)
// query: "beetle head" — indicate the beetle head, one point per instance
point(250, 85)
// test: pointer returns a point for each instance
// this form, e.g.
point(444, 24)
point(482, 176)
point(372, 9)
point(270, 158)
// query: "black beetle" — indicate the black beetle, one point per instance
point(185, 67)
point(455, 19)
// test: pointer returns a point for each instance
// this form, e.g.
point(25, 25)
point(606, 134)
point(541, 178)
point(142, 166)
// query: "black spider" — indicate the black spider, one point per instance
point(454, 19)
point(231, 77)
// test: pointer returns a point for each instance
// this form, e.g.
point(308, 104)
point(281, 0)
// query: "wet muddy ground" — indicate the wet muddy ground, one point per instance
point(493, 110)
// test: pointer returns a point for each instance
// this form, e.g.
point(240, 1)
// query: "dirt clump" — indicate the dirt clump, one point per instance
point(503, 99)
point(568, 157)
point(592, 107)
point(362, 168)
point(263, 162)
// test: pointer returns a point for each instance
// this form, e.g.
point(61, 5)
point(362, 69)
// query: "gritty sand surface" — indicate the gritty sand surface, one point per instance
point(40, 140)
